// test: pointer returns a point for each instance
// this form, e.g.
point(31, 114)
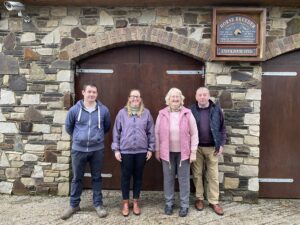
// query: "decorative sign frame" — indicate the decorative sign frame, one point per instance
point(238, 34)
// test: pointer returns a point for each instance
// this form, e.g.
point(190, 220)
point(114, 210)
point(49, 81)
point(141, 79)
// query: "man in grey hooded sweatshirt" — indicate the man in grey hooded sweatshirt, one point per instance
point(87, 122)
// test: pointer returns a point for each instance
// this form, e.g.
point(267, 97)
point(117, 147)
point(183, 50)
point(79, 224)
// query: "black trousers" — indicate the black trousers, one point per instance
point(132, 165)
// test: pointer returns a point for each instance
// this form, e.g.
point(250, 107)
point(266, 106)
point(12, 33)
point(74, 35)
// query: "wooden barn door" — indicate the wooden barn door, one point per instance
point(151, 69)
point(279, 166)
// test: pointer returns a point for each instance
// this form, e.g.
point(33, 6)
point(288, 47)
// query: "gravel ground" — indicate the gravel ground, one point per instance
point(36, 210)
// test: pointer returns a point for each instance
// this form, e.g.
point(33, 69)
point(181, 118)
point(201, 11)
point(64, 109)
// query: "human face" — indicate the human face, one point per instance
point(90, 94)
point(175, 101)
point(135, 98)
point(202, 97)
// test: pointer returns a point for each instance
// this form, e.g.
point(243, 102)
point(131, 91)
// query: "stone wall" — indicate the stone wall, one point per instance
point(237, 87)
point(37, 86)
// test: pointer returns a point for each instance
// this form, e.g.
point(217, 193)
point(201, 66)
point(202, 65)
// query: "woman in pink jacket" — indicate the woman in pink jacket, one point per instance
point(176, 145)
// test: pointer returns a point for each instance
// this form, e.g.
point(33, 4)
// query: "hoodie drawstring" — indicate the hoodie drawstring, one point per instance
point(170, 164)
point(79, 114)
point(99, 118)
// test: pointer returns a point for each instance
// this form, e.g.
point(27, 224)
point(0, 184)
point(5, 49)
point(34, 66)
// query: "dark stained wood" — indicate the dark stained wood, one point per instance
point(174, 3)
point(280, 125)
point(142, 67)
point(258, 14)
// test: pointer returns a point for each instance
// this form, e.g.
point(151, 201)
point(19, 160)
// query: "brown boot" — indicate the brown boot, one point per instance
point(125, 209)
point(136, 208)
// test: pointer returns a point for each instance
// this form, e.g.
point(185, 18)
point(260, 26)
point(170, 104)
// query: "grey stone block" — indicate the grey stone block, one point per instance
point(25, 127)
point(8, 65)
point(61, 64)
point(9, 41)
point(17, 83)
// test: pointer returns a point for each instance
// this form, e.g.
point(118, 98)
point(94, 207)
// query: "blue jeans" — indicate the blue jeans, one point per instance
point(132, 165)
point(79, 161)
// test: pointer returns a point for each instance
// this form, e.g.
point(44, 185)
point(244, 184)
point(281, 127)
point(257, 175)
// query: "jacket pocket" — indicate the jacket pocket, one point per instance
point(80, 137)
point(95, 137)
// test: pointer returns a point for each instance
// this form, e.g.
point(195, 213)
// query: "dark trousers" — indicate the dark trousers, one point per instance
point(132, 165)
point(79, 161)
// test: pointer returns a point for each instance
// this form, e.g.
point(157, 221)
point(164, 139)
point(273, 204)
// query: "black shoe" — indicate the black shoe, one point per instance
point(168, 210)
point(183, 212)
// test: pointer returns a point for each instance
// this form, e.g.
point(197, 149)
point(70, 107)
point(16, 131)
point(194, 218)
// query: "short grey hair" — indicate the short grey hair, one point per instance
point(203, 88)
point(173, 91)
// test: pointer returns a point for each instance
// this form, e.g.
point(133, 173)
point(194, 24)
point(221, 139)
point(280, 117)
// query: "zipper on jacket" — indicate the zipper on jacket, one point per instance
point(89, 132)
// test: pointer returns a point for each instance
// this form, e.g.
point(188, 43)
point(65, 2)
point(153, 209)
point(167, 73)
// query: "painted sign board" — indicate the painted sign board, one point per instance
point(240, 51)
point(238, 34)
point(237, 29)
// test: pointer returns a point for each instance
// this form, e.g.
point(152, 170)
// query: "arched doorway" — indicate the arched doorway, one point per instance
point(151, 69)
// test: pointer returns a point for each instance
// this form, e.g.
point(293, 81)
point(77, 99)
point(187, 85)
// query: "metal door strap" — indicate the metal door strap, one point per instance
point(106, 175)
point(276, 180)
point(284, 74)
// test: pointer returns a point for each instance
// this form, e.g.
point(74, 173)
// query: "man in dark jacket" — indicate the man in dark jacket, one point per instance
point(87, 122)
point(212, 138)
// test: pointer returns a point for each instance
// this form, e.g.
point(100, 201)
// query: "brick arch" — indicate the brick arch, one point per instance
point(283, 45)
point(136, 35)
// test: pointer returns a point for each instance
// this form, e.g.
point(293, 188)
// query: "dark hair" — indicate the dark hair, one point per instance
point(91, 85)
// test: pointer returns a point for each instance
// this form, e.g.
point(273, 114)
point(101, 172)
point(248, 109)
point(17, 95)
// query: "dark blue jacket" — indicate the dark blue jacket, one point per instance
point(216, 119)
point(87, 129)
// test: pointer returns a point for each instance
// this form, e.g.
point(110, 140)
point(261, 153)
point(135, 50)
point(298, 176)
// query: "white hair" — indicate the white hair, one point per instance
point(173, 91)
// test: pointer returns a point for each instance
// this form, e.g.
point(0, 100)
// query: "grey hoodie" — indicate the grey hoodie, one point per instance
point(87, 128)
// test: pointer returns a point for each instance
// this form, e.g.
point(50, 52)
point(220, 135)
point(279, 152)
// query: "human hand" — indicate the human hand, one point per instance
point(157, 156)
point(193, 157)
point(220, 152)
point(118, 156)
point(149, 155)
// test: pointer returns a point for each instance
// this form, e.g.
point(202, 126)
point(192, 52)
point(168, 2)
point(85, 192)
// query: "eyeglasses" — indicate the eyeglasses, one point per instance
point(134, 96)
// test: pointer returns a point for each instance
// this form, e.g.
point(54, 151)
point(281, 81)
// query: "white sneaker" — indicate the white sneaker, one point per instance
point(69, 212)
point(101, 211)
